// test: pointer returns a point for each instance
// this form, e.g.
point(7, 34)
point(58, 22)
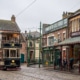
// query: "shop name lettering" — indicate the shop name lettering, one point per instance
point(76, 34)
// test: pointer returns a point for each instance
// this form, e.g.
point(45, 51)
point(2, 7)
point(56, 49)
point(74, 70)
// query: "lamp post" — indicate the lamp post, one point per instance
point(40, 45)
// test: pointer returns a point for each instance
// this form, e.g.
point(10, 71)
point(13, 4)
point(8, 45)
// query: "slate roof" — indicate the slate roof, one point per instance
point(75, 13)
point(8, 25)
point(33, 34)
point(23, 38)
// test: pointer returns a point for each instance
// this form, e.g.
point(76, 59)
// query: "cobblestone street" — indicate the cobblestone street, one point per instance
point(29, 73)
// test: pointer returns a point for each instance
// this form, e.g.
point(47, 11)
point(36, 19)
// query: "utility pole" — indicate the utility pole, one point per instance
point(28, 49)
point(34, 48)
point(40, 46)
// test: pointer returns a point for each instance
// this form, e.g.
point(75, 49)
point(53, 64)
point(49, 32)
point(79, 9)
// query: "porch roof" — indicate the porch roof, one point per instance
point(69, 41)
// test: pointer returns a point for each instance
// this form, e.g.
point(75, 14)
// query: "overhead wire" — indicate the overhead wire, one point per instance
point(25, 8)
point(32, 4)
point(75, 5)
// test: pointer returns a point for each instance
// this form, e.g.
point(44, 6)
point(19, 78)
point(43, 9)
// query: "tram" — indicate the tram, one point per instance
point(10, 58)
point(10, 51)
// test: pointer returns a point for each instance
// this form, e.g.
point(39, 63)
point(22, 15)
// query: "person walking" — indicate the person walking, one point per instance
point(71, 63)
point(64, 63)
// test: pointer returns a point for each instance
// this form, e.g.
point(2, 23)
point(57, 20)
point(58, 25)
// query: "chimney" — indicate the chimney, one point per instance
point(64, 15)
point(25, 31)
point(13, 18)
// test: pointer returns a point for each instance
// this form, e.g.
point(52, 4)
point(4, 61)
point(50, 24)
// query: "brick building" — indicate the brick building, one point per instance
point(73, 41)
point(30, 47)
point(53, 35)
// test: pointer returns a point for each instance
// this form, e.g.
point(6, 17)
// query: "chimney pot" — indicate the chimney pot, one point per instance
point(13, 18)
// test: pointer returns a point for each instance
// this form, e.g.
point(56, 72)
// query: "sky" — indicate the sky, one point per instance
point(29, 13)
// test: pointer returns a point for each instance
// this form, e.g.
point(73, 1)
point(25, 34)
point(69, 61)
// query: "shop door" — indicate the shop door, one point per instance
point(22, 58)
point(57, 57)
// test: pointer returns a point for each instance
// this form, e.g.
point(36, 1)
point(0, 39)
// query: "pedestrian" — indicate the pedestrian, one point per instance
point(59, 61)
point(71, 63)
point(64, 63)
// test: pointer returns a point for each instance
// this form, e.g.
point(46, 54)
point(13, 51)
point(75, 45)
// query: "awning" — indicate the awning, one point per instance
point(69, 41)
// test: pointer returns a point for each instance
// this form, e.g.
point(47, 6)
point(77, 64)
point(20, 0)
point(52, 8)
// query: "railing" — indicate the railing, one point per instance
point(10, 43)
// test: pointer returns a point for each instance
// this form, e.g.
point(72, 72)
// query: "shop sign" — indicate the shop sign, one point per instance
point(46, 49)
point(75, 34)
point(51, 48)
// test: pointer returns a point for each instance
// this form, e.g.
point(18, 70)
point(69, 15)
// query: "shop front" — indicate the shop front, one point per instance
point(50, 56)
point(73, 52)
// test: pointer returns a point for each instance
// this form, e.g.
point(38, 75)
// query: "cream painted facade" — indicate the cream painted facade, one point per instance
point(36, 50)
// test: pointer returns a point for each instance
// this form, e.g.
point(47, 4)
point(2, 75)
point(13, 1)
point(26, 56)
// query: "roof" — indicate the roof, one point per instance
point(70, 41)
point(8, 25)
point(22, 37)
point(75, 13)
point(34, 34)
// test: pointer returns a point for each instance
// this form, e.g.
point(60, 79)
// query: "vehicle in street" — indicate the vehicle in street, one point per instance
point(10, 59)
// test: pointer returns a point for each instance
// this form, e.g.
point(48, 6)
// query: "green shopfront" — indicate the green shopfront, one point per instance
point(50, 56)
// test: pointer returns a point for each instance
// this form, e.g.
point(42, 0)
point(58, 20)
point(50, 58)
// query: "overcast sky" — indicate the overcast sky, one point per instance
point(29, 13)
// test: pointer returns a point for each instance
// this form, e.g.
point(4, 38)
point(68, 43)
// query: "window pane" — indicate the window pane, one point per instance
point(51, 40)
point(60, 23)
point(18, 54)
point(13, 53)
point(65, 21)
point(6, 53)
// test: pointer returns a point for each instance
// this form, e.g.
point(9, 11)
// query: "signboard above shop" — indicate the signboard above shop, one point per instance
point(48, 48)
point(74, 34)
